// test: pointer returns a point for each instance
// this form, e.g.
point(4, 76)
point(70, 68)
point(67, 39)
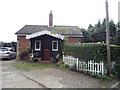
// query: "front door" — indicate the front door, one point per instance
point(46, 50)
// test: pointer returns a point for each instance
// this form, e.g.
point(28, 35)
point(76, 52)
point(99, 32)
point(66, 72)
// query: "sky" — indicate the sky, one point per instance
point(15, 14)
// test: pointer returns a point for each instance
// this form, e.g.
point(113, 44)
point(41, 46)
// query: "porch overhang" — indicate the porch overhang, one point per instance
point(44, 32)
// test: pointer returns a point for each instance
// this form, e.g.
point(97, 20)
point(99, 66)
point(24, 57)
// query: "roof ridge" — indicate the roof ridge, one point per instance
point(65, 26)
point(54, 25)
point(36, 25)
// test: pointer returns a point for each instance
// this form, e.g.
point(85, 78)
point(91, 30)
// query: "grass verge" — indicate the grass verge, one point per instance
point(28, 65)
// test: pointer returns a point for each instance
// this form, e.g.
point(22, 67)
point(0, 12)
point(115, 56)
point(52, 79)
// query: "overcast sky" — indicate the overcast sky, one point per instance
point(14, 14)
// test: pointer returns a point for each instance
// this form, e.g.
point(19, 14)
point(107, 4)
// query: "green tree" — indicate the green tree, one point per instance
point(86, 36)
point(97, 33)
point(91, 28)
point(116, 39)
point(112, 28)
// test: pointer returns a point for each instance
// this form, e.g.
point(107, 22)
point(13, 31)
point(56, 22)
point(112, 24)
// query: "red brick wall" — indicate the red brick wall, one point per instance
point(73, 40)
point(22, 43)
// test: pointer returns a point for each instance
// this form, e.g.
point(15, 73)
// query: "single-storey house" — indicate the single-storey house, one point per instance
point(44, 41)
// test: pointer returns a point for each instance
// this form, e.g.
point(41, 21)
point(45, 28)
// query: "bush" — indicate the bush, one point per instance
point(61, 64)
point(24, 54)
point(91, 51)
point(116, 69)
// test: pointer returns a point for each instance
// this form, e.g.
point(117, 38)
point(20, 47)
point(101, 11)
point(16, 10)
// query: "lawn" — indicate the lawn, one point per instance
point(35, 65)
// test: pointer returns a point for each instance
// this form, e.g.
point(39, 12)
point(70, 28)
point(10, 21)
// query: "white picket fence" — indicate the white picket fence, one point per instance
point(69, 60)
point(90, 66)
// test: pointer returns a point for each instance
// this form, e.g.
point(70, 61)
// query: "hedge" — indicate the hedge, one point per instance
point(116, 69)
point(91, 51)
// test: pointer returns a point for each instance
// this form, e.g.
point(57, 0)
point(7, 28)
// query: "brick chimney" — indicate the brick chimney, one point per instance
point(50, 19)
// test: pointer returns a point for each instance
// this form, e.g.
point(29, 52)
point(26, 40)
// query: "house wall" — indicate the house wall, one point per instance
point(73, 40)
point(22, 44)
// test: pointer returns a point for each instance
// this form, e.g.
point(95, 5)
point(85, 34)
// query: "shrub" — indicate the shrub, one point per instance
point(61, 64)
point(115, 53)
point(24, 54)
point(116, 69)
point(91, 51)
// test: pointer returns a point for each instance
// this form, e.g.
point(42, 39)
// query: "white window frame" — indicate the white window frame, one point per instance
point(53, 46)
point(39, 45)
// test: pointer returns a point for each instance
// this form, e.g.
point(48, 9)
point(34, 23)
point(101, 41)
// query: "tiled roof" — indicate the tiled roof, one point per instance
point(30, 29)
point(57, 29)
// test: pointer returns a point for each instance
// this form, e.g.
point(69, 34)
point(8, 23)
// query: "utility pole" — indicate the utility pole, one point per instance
point(108, 40)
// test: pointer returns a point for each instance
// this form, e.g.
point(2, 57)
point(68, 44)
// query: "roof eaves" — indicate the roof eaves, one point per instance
point(43, 33)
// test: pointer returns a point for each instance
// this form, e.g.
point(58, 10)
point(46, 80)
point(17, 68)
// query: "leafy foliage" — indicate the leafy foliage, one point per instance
point(116, 70)
point(116, 40)
point(25, 54)
point(61, 64)
point(91, 51)
point(97, 32)
point(87, 37)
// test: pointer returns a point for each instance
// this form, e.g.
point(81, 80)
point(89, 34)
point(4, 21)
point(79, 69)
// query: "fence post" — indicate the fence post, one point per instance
point(63, 58)
point(98, 68)
point(95, 64)
point(102, 68)
point(88, 69)
point(77, 63)
point(90, 66)
point(69, 59)
point(93, 67)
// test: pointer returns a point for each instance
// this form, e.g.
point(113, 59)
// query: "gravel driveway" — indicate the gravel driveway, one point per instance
point(45, 78)
point(53, 78)
point(12, 78)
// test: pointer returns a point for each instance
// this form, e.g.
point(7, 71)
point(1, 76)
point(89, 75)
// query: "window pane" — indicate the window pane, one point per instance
point(55, 45)
point(37, 45)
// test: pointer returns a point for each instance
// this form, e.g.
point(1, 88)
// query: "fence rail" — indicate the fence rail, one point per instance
point(90, 66)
